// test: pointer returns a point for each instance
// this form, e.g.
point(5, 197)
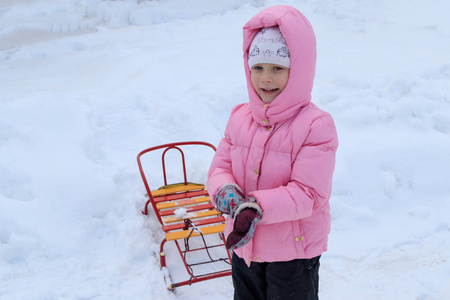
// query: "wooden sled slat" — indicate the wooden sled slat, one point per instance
point(201, 222)
point(176, 189)
point(180, 195)
point(180, 203)
point(208, 206)
point(196, 215)
point(176, 235)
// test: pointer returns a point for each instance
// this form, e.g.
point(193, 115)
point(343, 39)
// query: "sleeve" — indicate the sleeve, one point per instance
point(309, 187)
point(220, 171)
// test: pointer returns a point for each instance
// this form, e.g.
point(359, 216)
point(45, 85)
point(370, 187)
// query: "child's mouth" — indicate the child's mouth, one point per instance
point(269, 90)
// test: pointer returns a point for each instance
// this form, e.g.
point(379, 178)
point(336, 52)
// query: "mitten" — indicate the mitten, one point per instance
point(228, 198)
point(247, 216)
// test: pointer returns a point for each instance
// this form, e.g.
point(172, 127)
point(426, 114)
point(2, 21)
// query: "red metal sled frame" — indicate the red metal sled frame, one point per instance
point(194, 198)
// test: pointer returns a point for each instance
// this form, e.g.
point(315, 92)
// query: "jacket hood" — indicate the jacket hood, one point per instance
point(301, 42)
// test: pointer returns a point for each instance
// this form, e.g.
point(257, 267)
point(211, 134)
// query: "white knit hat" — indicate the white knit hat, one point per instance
point(269, 46)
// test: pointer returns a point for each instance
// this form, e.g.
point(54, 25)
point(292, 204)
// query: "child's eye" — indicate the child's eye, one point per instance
point(278, 68)
point(256, 68)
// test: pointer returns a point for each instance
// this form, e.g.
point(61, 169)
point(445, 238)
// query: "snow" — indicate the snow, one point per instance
point(181, 213)
point(85, 85)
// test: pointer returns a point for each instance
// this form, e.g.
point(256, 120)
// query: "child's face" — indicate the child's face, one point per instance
point(269, 80)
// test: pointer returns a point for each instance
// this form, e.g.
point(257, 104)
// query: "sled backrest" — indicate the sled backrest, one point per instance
point(171, 192)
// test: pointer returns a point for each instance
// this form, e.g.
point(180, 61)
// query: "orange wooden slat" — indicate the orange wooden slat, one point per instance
point(177, 189)
point(184, 202)
point(200, 222)
point(179, 196)
point(165, 213)
point(194, 215)
point(170, 236)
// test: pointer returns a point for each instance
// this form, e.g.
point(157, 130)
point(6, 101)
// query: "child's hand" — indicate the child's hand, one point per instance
point(246, 219)
point(229, 198)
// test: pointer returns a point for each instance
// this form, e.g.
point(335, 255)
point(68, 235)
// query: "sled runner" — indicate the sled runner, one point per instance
point(187, 217)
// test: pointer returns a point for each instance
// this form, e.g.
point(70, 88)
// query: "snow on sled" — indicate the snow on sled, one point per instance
point(189, 219)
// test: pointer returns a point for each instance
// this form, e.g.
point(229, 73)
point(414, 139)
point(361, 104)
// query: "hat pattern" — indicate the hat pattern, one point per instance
point(254, 52)
point(283, 52)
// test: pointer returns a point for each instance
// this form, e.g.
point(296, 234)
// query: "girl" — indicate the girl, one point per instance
point(272, 171)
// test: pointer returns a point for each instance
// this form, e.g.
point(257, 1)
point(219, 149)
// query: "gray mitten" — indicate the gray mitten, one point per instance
point(228, 198)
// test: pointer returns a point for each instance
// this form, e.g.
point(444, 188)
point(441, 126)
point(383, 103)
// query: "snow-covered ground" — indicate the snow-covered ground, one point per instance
point(87, 84)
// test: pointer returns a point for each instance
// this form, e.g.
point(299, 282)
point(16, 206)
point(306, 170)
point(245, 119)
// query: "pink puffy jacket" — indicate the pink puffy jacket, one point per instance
point(282, 153)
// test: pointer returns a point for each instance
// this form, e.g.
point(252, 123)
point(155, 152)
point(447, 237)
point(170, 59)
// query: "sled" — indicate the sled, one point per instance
point(198, 218)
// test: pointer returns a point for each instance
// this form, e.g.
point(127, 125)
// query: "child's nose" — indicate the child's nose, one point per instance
point(266, 77)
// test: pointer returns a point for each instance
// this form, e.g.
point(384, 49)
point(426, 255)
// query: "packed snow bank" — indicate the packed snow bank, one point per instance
point(86, 85)
point(49, 19)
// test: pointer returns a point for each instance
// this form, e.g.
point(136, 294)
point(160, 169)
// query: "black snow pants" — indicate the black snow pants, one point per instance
point(296, 279)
